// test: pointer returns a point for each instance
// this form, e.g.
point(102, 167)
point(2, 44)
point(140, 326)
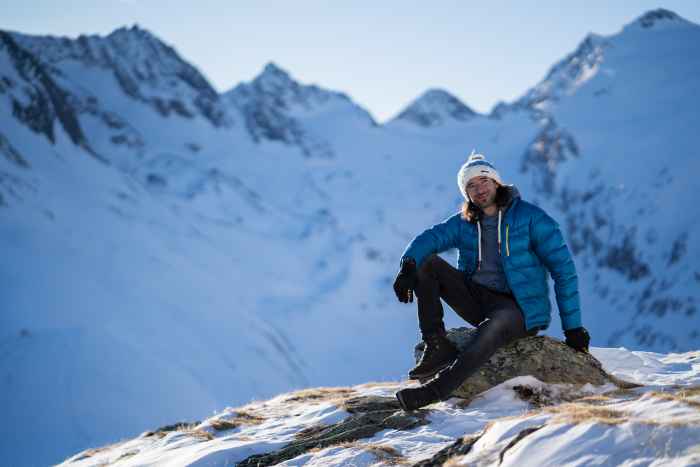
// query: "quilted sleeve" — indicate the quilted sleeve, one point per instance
point(549, 245)
point(440, 237)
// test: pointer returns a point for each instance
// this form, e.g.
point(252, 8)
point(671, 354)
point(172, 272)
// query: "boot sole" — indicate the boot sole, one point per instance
point(423, 376)
point(401, 402)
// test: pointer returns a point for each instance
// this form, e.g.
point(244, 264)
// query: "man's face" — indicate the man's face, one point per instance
point(482, 191)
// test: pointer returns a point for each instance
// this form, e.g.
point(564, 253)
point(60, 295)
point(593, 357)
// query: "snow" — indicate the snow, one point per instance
point(642, 427)
point(173, 282)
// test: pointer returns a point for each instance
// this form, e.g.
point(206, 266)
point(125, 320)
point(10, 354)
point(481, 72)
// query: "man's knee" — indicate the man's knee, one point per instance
point(430, 266)
point(507, 324)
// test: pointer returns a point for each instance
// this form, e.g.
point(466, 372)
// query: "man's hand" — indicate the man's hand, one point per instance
point(578, 339)
point(406, 280)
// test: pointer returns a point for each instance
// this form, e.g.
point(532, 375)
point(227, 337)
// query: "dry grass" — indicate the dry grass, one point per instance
point(162, 431)
point(585, 413)
point(126, 455)
point(623, 392)
point(224, 424)
point(454, 461)
point(343, 445)
point(383, 453)
point(186, 428)
point(463, 403)
point(684, 395)
point(310, 431)
point(378, 384)
point(313, 394)
point(91, 452)
point(596, 399)
point(241, 417)
point(386, 454)
point(201, 434)
point(691, 391)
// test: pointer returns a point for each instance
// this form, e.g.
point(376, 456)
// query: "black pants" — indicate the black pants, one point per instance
point(496, 316)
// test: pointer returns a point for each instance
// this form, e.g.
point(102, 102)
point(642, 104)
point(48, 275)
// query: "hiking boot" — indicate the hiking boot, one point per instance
point(439, 353)
point(414, 398)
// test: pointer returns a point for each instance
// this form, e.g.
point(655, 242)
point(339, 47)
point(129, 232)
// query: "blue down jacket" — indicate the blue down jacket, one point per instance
point(532, 245)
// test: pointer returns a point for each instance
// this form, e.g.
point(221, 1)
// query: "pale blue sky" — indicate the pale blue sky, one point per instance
point(383, 54)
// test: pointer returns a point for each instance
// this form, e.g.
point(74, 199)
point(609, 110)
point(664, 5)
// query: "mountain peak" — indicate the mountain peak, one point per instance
point(659, 19)
point(652, 17)
point(134, 30)
point(434, 108)
point(135, 34)
point(274, 79)
point(145, 68)
point(271, 68)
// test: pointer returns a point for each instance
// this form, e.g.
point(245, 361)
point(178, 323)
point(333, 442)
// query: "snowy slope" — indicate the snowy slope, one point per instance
point(617, 151)
point(170, 251)
point(657, 424)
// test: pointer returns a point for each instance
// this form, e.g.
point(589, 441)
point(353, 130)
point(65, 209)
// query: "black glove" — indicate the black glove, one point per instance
point(578, 339)
point(406, 280)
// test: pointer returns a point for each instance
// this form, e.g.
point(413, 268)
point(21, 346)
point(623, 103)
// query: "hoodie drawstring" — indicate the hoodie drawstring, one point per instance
point(478, 228)
point(499, 232)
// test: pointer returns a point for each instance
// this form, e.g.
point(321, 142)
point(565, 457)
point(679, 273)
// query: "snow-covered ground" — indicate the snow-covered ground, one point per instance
point(656, 424)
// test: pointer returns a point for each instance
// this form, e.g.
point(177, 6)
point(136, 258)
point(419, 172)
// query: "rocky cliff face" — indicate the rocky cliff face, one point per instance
point(145, 68)
point(275, 107)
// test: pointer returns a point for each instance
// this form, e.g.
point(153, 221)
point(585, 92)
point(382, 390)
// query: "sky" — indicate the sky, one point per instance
point(383, 54)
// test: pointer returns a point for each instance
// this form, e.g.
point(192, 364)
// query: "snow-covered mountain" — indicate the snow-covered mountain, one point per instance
point(277, 108)
point(170, 250)
point(435, 107)
point(616, 152)
point(520, 422)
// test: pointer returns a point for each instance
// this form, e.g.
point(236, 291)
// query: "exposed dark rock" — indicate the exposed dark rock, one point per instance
point(624, 258)
point(172, 427)
point(273, 104)
point(547, 359)
point(11, 154)
point(647, 336)
point(678, 249)
point(370, 414)
point(5, 84)
point(517, 439)
point(651, 17)
point(47, 100)
point(563, 76)
point(551, 147)
point(193, 147)
point(156, 180)
point(459, 448)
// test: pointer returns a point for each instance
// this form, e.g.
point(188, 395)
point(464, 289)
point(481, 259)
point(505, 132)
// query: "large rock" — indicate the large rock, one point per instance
point(547, 359)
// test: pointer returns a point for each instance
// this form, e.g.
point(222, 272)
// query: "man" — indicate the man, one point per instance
point(506, 246)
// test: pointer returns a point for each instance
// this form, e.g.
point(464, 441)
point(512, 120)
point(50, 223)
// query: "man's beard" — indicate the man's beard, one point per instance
point(489, 201)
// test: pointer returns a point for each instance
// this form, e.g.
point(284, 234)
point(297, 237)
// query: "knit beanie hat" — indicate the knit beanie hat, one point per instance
point(476, 166)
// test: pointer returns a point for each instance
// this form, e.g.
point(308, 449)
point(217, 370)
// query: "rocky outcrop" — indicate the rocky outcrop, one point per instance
point(370, 415)
point(547, 359)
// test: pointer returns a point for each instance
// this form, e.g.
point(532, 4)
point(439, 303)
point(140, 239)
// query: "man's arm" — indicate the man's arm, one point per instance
point(549, 245)
point(440, 237)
